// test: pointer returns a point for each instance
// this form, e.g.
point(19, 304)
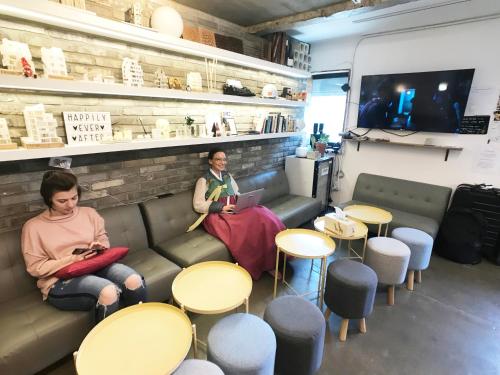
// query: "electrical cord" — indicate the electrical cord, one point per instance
point(399, 135)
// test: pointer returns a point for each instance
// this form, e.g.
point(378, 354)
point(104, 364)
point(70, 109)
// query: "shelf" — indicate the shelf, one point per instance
point(68, 87)
point(64, 17)
point(24, 154)
point(421, 145)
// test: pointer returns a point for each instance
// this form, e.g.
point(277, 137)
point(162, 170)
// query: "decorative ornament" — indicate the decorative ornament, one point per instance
point(167, 20)
point(132, 73)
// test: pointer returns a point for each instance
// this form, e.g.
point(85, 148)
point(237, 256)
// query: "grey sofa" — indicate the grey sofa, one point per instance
point(412, 204)
point(33, 333)
point(168, 218)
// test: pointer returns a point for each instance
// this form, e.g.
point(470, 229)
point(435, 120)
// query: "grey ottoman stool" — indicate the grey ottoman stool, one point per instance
point(350, 292)
point(300, 328)
point(198, 367)
point(389, 258)
point(420, 244)
point(242, 344)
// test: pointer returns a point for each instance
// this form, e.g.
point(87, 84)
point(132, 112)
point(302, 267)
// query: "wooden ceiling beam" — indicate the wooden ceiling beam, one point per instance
point(327, 11)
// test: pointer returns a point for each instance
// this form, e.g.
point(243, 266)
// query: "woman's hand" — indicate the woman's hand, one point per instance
point(228, 208)
point(96, 245)
point(85, 255)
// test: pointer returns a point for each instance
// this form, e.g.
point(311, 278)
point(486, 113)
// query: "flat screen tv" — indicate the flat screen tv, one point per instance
point(426, 101)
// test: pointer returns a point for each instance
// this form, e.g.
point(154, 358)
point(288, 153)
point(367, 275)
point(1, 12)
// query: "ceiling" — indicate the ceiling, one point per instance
point(251, 12)
point(384, 16)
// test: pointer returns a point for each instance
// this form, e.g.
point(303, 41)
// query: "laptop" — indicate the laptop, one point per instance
point(250, 199)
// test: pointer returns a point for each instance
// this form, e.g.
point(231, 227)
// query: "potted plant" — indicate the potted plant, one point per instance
point(321, 143)
point(190, 129)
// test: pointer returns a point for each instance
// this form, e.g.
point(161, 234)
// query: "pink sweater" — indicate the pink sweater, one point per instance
point(48, 242)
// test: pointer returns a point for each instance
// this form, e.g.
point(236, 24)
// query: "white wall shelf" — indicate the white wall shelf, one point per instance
point(421, 145)
point(68, 87)
point(24, 154)
point(60, 16)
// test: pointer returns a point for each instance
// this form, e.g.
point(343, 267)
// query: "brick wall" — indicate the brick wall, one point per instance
point(85, 54)
point(111, 179)
point(132, 176)
point(115, 9)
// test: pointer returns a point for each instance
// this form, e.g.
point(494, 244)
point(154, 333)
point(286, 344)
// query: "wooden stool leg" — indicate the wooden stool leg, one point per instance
point(409, 279)
point(343, 329)
point(390, 295)
point(362, 325)
point(418, 277)
point(327, 314)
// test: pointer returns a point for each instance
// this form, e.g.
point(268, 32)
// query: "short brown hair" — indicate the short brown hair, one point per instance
point(55, 181)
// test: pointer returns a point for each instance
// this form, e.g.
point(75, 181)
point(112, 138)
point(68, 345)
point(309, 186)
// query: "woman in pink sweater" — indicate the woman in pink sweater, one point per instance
point(49, 239)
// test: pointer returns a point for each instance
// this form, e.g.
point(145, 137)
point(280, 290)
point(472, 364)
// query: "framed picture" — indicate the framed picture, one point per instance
point(213, 124)
point(229, 123)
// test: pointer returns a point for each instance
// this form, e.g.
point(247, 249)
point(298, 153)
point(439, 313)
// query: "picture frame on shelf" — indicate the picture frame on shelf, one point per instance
point(229, 123)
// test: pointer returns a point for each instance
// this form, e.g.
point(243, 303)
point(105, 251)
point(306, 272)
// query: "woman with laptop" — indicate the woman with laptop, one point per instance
point(247, 233)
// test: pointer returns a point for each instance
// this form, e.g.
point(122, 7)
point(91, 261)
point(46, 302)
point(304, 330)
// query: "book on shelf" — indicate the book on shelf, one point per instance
point(275, 122)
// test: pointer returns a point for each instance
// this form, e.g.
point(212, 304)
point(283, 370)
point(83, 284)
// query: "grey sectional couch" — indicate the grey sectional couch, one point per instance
point(168, 218)
point(34, 334)
point(412, 204)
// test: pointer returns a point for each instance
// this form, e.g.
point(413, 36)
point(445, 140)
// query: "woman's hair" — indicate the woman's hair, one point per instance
point(213, 151)
point(55, 181)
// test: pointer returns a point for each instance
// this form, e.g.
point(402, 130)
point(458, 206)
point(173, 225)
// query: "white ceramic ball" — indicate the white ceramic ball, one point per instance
point(168, 21)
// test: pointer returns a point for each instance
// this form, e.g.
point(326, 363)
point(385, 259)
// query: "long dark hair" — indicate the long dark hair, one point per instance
point(55, 181)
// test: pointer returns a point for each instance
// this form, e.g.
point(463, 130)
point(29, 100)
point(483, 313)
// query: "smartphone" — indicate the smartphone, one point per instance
point(80, 250)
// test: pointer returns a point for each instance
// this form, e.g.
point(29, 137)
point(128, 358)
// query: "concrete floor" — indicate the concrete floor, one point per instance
point(450, 324)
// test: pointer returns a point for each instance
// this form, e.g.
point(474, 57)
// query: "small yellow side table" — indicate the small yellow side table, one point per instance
point(149, 338)
point(306, 244)
point(370, 215)
point(360, 232)
point(213, 287)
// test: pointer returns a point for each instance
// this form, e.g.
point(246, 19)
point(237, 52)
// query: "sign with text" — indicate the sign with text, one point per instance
point(87, 127)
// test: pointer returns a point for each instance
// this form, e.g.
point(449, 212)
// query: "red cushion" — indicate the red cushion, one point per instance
point(95, 263)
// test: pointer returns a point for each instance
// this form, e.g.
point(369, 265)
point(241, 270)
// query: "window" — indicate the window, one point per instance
point(328, 103)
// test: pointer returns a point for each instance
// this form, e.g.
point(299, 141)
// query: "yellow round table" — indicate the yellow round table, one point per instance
point(211, 288)
point(149, 338)
point(370, 215)
point(306, 244)
point(360, 232)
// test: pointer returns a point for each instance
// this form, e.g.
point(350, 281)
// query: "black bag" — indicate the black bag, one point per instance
point(485, 200)
point(460, 236)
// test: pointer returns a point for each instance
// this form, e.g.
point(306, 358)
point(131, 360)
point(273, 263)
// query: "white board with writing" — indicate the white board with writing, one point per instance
point(87, 127)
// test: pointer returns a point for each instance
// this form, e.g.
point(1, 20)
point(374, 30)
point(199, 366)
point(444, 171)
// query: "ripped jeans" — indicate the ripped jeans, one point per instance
point(82, 292)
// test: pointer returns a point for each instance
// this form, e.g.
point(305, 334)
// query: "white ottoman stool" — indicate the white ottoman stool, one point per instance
point(198, 367)
point(389, 259)
point(420, 244)
point(242, 344)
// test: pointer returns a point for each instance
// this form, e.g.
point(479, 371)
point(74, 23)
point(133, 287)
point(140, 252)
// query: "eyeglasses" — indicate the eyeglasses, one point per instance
point(220, 159)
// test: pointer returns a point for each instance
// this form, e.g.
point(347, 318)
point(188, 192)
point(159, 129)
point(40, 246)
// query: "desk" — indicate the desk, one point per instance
point(360, 232)
point(212, 288)
point(370, 215)
point(149, 338)
point(306, 244)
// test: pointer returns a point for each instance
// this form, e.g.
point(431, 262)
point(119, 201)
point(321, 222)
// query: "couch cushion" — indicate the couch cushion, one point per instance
point(167, 218)
point(274, 182)
point(295, 210)
point(158, 272)
point(409, 196)
point(401, 219)
point(14, 279)
point(35, 334)
point(125, 227)
point(194, 247)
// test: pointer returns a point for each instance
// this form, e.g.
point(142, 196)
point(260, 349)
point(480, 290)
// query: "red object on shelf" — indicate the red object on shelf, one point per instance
point(27, 71)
